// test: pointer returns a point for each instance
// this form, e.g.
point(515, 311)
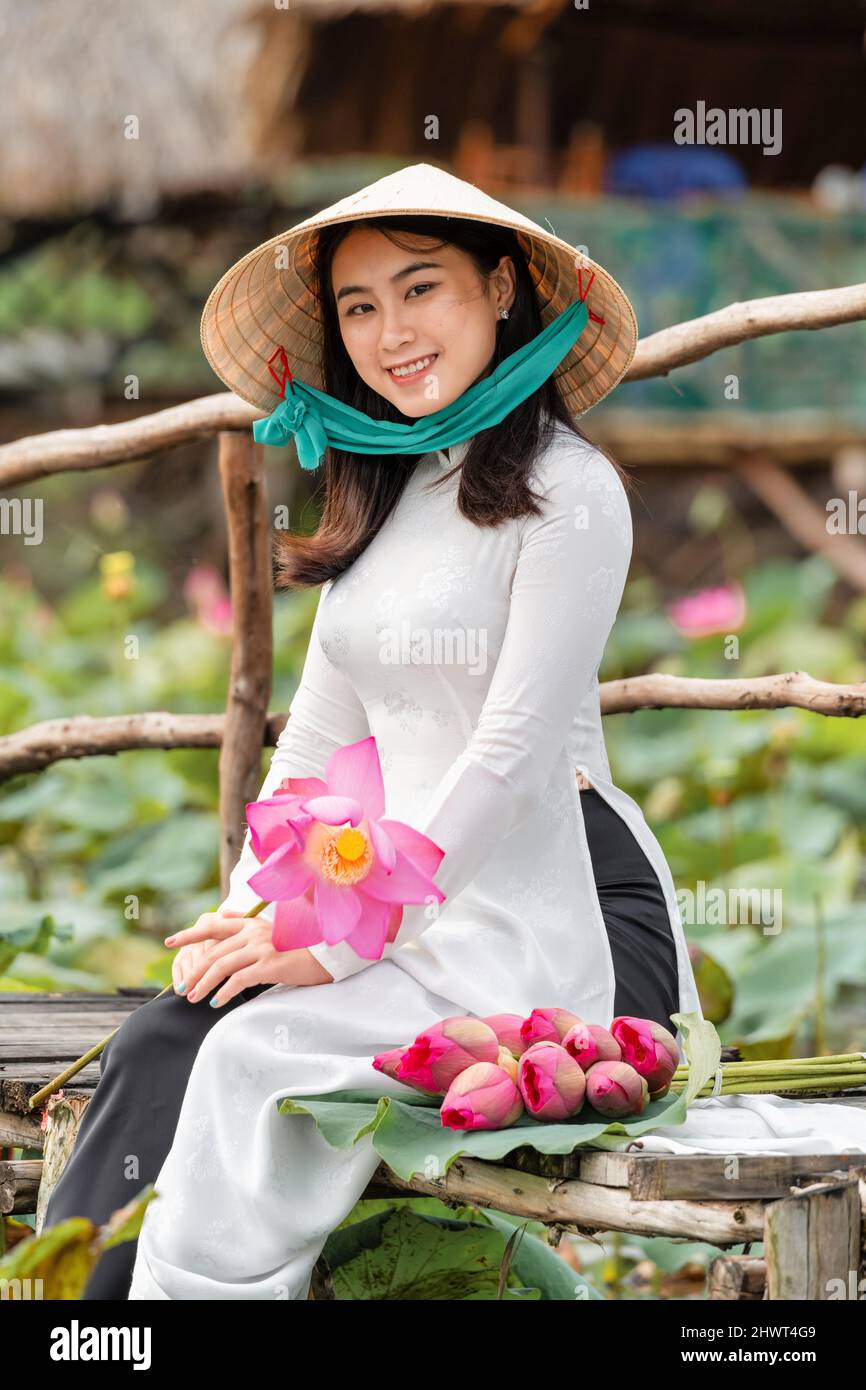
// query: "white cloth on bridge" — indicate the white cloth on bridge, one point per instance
point(762, 1124)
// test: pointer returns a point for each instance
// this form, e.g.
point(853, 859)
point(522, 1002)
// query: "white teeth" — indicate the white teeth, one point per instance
point(412, 367)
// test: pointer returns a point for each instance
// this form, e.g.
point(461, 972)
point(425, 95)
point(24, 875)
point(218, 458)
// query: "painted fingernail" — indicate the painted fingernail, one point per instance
point(215, 1003)
point(181, 989)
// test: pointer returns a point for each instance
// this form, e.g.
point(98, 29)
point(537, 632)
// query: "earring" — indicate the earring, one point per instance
point(503, 313)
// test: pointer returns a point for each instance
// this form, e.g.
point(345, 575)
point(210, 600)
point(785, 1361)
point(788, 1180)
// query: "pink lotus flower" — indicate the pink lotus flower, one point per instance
point(335, 867)
point(547, 1025)
point(443, 1051)
point(507, 1029)
point(588, 1043)
point(650, 1049)
point(615, 1089)
point(483, 1096)
point(208, 597)
point(551, 1083)
point(722, 609)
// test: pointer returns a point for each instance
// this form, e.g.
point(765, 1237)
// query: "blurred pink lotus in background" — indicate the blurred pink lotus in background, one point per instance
point(208, 598)
point(722, 609)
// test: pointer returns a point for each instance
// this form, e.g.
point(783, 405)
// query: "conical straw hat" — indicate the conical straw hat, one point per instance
point(265, 300)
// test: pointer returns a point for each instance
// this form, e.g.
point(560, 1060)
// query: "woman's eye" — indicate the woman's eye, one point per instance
point(426, 285)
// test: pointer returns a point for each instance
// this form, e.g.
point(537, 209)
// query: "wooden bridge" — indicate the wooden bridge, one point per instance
point(809, 1211)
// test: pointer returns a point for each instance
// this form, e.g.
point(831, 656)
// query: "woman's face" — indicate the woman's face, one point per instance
point(426, 306)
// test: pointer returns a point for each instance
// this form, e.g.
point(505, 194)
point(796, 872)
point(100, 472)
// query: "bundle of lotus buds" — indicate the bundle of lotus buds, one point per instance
point(490, 1071)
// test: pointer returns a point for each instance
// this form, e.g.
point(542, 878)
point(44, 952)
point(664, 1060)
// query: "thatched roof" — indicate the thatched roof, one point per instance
point(228, 90)
point(71, 76)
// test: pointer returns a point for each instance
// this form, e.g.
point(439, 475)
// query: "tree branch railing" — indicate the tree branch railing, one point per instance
point(99, 446)
point(82, 736)
point(241, 732)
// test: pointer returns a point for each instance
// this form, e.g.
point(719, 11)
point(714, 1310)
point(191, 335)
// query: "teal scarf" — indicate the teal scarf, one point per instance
point(315, 419)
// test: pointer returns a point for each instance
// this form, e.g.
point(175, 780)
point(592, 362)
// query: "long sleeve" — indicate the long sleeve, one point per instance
point(566, 590)
point(325, 713)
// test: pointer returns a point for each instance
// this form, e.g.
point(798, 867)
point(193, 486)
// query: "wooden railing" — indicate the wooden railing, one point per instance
point(247, 724)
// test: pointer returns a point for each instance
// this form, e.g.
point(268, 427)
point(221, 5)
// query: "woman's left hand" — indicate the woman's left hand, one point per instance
point(245, 956)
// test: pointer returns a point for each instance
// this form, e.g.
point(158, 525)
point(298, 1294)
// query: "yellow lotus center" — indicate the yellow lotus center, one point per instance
point(346, 857)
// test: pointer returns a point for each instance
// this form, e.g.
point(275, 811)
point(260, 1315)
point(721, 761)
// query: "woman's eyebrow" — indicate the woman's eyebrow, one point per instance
point(401, 275)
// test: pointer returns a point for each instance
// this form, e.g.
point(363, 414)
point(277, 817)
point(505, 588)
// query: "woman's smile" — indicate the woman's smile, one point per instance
point(402, 374)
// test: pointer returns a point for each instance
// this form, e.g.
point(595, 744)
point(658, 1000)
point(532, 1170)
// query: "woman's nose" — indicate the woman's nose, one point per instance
point(394, 331)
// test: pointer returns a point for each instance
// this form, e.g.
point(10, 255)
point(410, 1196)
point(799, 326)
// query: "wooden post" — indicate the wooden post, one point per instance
point(812, 1242)
point(65, 1113)
point(242, 477)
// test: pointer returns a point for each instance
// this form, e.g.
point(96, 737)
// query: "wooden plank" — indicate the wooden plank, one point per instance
point(19, 1185)
point(726, 1177)
point(688, 1177)
point(20, 1131)
point(16, 1089)
point(41, 1034)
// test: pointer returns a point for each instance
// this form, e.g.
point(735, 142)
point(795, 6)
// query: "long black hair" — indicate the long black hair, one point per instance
point(361, 490)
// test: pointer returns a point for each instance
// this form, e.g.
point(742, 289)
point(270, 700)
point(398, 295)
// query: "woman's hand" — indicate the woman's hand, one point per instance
point(230, 946)
point(188, 965)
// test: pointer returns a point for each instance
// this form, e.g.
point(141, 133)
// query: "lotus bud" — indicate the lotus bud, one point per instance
point(615, 1089)
point(547, 1025)
point(551, 1083)
point(650, 1049)
point(507, 1029)
point(588, 1043)
point(483, 1096)
point(387, 1062)
point(444, 1050)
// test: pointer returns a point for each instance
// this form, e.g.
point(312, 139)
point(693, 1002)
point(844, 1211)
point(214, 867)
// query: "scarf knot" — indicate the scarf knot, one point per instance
point(298, 419)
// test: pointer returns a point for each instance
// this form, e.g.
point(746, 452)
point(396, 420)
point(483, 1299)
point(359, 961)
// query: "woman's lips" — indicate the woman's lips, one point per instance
point(414, 376)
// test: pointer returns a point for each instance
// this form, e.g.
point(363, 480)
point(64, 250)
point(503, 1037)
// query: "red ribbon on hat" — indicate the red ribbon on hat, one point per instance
point(584, 292)
point(287, 375)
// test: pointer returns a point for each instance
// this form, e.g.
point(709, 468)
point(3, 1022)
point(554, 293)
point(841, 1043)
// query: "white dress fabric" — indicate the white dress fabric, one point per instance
point(472, 655)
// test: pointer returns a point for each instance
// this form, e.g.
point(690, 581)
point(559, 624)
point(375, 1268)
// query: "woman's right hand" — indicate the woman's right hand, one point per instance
point(190, 961)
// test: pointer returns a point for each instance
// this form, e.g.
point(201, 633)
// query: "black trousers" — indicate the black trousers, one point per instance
point(128, 1126)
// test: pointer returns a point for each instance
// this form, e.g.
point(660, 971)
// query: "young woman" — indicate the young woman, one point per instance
point(463, 505)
